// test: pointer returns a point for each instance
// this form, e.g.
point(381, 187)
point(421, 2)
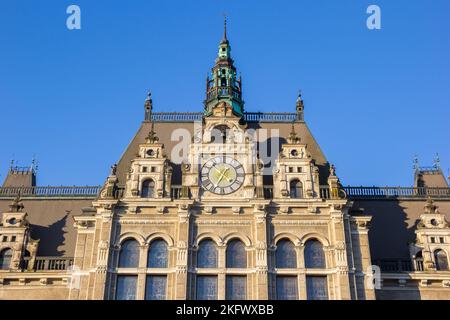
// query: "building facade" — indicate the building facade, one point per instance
point(224, 204)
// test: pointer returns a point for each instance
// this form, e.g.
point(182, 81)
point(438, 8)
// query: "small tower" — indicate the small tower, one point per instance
point(223, 85)
point(300, 107)
point(150, 174)
point(148, 107)
point(17, 249)
point(430, 252)
point(295, 175)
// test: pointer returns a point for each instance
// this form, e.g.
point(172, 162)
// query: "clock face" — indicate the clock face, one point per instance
point(222, 175)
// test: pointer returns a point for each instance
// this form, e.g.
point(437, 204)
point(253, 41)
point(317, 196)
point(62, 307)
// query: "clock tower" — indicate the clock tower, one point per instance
point(223, 83)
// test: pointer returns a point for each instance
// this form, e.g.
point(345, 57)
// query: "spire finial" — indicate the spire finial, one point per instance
point(416, 162)
point(437, 161)
point(225, 27)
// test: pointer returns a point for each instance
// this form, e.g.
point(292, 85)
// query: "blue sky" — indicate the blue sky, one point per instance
point(373, 99)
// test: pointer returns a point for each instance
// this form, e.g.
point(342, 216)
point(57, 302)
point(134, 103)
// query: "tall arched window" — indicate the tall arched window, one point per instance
point(129, 254)
point(296, 189)
point(236, 255)
point(5, 259)
point(285, 255)
point(157, 254)
point(314, 255)
point(148, 189)
point(207, 254)
point(440, 258)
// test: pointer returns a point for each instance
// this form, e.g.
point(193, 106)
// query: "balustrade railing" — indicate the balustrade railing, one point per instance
point(396, 192)
point(52, 263)
point(248, 116)
point(70, 191)
point(394, 265)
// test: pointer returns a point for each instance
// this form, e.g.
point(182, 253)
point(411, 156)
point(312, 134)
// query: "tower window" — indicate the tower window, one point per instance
point(296, 189)
point(441, 239)
point(13, 239)
point(144, 169)
point(148, 189)
point(433, 240)
point(5, 259)
point(4, 239)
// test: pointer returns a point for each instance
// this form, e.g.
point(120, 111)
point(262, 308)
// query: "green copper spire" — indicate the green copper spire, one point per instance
point(223, 85)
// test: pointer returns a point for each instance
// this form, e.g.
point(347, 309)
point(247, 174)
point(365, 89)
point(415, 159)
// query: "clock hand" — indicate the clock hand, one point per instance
point(222, 175)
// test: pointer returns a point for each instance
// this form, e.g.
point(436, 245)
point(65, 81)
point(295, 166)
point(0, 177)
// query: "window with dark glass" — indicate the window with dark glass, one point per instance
point(5, 259)
point(129, 254)
point(441, 261)
point(236, 255)
point(157, 254)
point(287, 288)
point(236, 288)
point(148, 189)
point(317, 288)
point(126, 287)
point(207, 254)
point(206, 288)
point(296, 189)
point(285, 255)
point(314, 255)
point(155, 288)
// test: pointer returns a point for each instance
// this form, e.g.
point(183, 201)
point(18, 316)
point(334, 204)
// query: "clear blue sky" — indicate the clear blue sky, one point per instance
point(373, 98)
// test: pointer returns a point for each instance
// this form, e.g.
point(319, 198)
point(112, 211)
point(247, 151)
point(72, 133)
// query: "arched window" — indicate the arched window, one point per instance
point(148, 189)
point(285, 255)
point(296, 189)
point(236, 255)
point(5, 259)
point(157, 254)
point(314, 255)
point(440, 258)
point(207, 254)
point(129, 254)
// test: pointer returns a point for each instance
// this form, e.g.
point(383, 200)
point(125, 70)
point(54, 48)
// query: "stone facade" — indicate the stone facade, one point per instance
point(220, 221)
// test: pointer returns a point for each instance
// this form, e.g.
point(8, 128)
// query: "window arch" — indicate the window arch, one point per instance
point(207, 254)
point(314, 254)
point(148, 189)
point(129, 254)
point(296, 189)
point(285, 255)
point(157, 254)
point(236, 255)
point(5, 259)
point(441, 261)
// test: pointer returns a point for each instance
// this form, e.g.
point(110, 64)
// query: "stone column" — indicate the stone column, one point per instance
point(342, 285)
point(363, 260)
point(261, 291)
point(182, 244)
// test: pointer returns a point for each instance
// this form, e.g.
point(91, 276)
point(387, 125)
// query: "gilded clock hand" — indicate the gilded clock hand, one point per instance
point(222, 175)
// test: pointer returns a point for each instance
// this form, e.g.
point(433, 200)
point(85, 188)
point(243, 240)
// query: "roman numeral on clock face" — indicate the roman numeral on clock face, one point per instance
point(222, 175)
